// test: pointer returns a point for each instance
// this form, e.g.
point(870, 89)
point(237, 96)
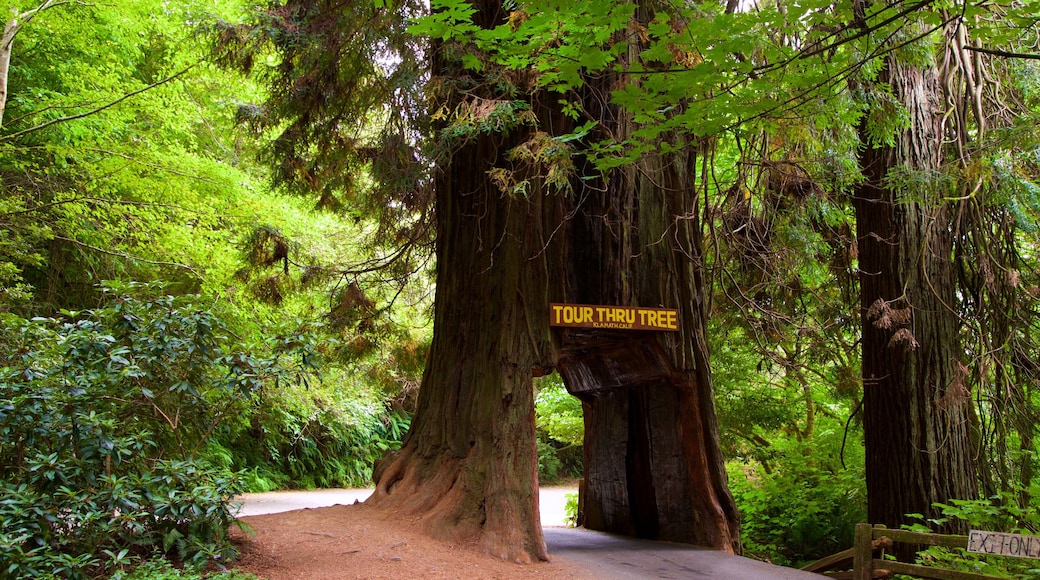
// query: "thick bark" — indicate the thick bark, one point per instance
point(468, 467)
point(653, 464)
point(918, 448)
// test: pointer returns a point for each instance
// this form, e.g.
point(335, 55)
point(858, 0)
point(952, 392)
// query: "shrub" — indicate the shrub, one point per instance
point(570, 509)
point(162, 570)
point(806, 508)
point(549, 464)
point(1000, 513)
point(312, 438)
point(103, 417)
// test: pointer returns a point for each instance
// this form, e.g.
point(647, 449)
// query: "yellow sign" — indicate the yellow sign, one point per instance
point(613, 317)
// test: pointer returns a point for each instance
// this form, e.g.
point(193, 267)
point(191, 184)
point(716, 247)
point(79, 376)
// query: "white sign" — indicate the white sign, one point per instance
point(1001, 544)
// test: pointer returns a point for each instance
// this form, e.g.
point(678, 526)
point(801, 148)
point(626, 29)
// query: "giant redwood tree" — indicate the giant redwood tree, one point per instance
point(653, 465)
point(519, 225)
point(915, 399)
point(508, 245)
point(468, 465)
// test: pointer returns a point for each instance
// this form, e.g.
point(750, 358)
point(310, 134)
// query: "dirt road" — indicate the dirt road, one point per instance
point(306, 535)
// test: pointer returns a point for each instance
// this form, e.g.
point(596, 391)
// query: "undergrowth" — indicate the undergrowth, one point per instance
point(127, 430)
point(104, 418)
point(999, 513)
point(807, 506)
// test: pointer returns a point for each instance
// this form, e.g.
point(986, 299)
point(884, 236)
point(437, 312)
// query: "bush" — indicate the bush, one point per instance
point(806, 508)
point(176, 508)
point(162, 570)
point(1000, 513)
point(570, 509)
point(103, 416)
point(312, 438)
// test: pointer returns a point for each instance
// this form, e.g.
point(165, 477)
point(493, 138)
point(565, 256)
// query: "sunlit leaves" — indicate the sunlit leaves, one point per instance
point(449, 19)
point(559, 414)
point(698, 69)
point(97, 184)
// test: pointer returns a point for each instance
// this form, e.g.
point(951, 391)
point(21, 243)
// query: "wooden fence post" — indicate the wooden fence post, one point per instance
point(863, 554)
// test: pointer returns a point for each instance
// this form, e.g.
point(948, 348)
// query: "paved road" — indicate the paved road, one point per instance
point(610, 557)
point(552, 501)
point(607, 556)
point(274, 502)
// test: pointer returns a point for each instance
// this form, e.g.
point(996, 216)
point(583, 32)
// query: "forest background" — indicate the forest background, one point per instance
point(186, 315)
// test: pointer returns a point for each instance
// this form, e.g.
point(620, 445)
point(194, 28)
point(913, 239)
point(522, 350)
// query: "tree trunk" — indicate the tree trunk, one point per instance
point(918, 449)
point(653, 463)
point(6, 47)
point(468, 465)
point(11, 29)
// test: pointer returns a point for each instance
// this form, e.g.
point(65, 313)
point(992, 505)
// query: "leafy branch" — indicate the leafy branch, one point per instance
point(11, 29)
point(128, 256)
point(104, 107)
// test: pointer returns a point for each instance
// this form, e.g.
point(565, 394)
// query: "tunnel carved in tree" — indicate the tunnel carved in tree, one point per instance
point(647, 466)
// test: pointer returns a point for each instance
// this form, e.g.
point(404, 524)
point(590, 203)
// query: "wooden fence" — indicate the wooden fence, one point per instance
point(867, 561)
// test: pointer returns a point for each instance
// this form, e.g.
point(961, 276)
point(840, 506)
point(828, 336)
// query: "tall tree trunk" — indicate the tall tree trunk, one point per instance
point(918, 449)
point(653, 462)
point(468, 465)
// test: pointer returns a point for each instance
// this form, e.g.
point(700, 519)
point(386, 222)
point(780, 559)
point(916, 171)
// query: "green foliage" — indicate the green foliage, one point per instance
point(1000, 513)
point(807, 507)
point(161, 185)
point(885, 117)
point(747, 401)
point(102, 414)
point(558, 413)
point(162, 570)
point(689, 68)
point(315, 437)
point(570, 509)
point(102, 178)
point(549, 464)
point(116, 159)
point(122, 423)
point(471, 120)
point(561, 431)
point(341, 110)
